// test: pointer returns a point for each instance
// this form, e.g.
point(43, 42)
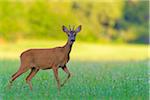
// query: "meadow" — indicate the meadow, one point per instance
point(99, 72)
point(109, 60)
point(90, 81)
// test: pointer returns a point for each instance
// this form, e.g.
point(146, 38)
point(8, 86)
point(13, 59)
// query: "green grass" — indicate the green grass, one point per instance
point(116, 80)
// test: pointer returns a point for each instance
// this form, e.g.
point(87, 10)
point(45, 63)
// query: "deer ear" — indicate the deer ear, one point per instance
point(65, 29)
point(78, 29)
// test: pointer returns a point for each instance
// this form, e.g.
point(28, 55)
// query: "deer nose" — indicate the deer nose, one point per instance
point(72, 40)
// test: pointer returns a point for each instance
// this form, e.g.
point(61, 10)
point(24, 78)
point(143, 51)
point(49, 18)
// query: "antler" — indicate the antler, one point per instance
point(71, 29)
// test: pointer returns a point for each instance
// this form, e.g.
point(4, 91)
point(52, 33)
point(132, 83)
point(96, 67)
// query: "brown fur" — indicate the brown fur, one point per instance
point(52, 58)
point(36, 59)
point(46, 58)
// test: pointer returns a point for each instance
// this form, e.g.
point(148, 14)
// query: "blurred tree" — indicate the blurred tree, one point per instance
point(117, 21)
point(136, 16)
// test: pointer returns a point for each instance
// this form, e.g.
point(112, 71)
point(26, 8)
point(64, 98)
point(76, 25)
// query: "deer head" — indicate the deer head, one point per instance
point(71, 32)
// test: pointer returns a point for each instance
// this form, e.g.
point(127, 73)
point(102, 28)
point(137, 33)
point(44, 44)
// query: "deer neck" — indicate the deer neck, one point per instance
point(68, 47)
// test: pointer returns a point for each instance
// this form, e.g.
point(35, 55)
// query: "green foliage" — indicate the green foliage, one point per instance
point(122, 21)
point(90, 80)
point(136, 15)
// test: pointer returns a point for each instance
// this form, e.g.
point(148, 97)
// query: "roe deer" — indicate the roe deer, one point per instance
point(50, 58)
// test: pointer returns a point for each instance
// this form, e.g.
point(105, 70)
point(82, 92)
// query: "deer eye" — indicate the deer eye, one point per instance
point(69, 35)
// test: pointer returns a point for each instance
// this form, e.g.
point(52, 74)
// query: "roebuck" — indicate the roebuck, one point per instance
point(50, 58)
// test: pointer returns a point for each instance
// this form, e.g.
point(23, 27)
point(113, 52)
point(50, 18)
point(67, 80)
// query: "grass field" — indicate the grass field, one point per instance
point(90, 81)
point(100, 72)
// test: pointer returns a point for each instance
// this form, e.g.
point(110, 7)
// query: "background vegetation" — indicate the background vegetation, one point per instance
point(109, 21)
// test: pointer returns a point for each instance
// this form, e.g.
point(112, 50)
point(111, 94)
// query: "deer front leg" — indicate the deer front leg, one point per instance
point(65, 69)
point(55, 70)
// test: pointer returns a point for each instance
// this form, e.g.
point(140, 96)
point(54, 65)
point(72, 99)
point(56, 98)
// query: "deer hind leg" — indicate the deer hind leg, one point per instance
point(65, 69)
point(17, 74)
point(14, 74)
point(30, 76)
